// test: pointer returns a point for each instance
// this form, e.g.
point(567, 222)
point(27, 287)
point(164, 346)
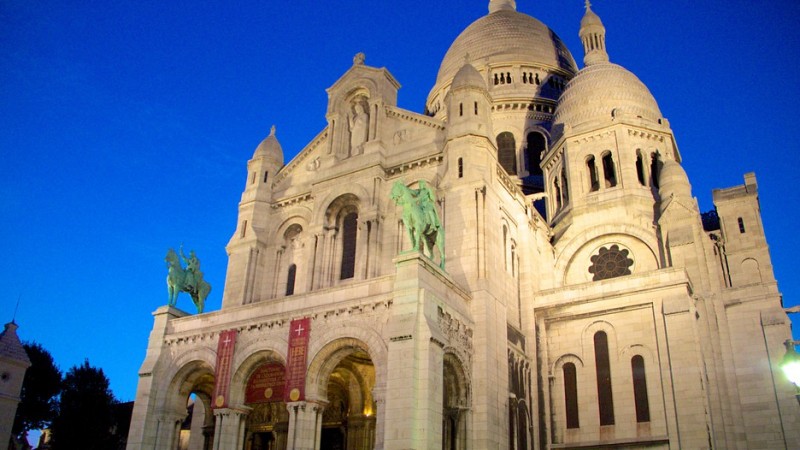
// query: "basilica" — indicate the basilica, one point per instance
point(563, 290)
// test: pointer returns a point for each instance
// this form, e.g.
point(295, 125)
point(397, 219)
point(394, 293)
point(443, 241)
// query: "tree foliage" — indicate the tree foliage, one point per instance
point(86, 419)
point(39, 397)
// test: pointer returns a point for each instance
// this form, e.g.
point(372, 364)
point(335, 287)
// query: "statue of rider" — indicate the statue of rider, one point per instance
point(426, 200)
point(193, 274)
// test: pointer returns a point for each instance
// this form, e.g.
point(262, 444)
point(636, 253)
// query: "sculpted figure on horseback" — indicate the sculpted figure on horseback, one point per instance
point(420, 218)
point(189, 280)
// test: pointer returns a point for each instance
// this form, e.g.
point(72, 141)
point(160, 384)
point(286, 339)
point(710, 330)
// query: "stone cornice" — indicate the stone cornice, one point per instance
point(248, 326)
point(421, 119)
point(302, 198)
point(420, 162)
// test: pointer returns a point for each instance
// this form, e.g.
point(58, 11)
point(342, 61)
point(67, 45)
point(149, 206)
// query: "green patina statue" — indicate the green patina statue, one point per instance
point(189, 280)
point(420, 217)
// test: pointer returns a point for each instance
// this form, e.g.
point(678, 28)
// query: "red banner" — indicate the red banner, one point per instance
point(266, 384)
point(299, 332)
point(223, 372)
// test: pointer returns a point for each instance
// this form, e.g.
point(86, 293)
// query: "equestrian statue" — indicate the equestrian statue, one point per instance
point(420, 217)
point(189, 280)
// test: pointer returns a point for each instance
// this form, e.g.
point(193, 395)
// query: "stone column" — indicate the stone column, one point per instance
point(379, 397)
point(305, 425)
point(363, 249)
point(328, 265)
point(229, 429)
point(168, 430)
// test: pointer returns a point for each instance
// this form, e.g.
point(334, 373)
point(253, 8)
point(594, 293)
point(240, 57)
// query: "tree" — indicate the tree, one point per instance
point(86, 419)
point(39, 397)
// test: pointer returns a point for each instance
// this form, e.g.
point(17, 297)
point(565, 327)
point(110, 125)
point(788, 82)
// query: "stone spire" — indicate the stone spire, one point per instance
point(593, 36)
point(499, 5)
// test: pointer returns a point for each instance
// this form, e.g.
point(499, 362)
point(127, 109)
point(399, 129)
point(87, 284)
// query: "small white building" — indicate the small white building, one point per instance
point(584, 300)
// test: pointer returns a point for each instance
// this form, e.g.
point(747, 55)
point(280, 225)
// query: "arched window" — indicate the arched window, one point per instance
point(460, 109)
point(741, 225)
point(290, 279)
point(460, 167)
point(640, 390)
point(533, 152)
point(655, 165)
point(609, 171)
point(605, 397)
point(564, 185)
point(594, 182)
point(266, 176)
point(349, 232)
point(505, 247)
point(571, 395)
point(507, 152)
point(640, 168)
point(476, 108)
point(557, 192)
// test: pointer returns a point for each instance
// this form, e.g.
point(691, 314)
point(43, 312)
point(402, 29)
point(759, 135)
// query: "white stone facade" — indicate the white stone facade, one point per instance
point(584, 301)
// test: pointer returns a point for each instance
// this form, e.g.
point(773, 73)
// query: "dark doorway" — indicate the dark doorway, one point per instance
point(262, 441)
point(332, 439)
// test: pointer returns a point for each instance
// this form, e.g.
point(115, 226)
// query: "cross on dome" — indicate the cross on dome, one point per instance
point(272, 130)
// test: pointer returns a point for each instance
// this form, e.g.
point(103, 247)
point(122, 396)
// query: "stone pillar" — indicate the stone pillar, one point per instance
point(694, 429)
point(196, 436)
point(305, 425)
point(229, 429)
point(145, 421)
point(379, 397)
point(415, 364)
point(363, 249)
point(168, 429)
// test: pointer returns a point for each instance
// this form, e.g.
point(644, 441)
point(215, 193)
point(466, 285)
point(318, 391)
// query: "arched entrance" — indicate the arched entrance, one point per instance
point(268, 422)
point(455, 404)
point(189, 401)
point(348, 374)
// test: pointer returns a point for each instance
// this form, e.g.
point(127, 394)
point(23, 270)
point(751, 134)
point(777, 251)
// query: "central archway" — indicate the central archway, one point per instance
point(345, 377)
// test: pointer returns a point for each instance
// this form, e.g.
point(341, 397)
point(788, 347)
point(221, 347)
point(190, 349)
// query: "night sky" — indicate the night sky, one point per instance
point(127, 127)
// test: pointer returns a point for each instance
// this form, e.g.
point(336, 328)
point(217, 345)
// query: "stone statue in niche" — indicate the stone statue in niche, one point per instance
point(359, 125)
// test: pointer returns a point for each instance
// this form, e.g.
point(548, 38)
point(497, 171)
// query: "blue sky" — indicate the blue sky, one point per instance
point(127, 126)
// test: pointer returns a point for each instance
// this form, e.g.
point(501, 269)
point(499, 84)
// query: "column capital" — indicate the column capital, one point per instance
point(240, 411)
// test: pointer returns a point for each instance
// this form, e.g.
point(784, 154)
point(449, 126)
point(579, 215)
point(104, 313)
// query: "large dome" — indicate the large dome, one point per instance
point(504, 37)
point(602, 91)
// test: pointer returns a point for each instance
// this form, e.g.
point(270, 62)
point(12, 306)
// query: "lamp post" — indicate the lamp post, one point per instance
point(790, 364)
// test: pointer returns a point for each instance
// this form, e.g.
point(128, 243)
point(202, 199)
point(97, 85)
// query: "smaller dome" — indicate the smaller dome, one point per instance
point(590, 18)
point(468, 76)
point(601, 92)
point(270, 149)
point(672, 180)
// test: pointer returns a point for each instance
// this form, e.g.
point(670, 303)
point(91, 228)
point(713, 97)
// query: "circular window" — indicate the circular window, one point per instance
point(5, 376)
point(610, 262)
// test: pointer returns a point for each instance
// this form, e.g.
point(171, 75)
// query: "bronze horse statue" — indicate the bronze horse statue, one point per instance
point(189, 280)
point(420, 218)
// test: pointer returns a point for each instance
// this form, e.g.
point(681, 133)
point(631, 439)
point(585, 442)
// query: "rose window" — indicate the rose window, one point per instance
point(610, 262)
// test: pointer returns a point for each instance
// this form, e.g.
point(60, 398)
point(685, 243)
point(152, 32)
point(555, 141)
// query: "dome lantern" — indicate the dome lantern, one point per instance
point(593, 37)
point(498, 5)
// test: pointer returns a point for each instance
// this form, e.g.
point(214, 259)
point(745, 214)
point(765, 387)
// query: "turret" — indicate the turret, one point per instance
point(254, 210)
point(14, 363)
point(468, 104)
